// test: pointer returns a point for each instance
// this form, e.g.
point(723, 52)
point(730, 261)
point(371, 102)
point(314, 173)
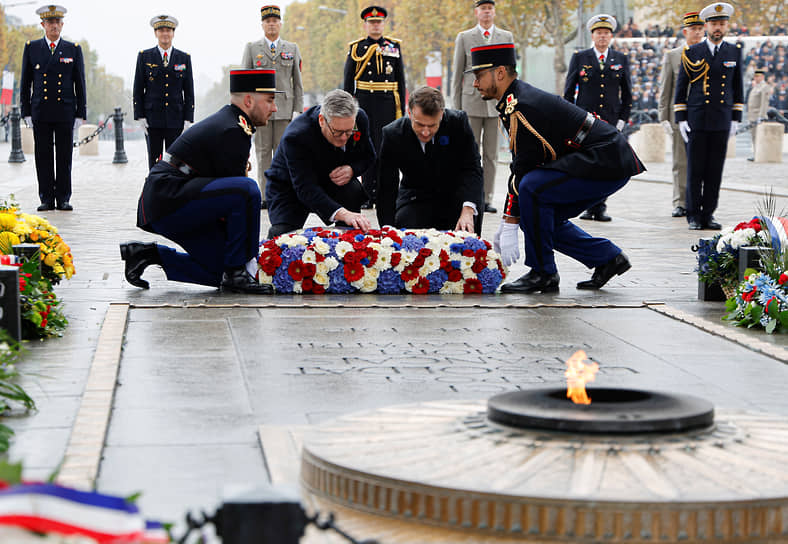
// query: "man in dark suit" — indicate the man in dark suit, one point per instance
point(598, 81)
point(163, 89)
point(442, 183)
point(199, 196)
point(316, 166)
point(375, 75)
point(709, 102)
point(563, 161)
point(52, 95)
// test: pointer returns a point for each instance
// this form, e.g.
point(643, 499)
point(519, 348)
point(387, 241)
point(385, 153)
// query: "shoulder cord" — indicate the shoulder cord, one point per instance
point(696, 70)
point(361, 62)
point(513, 124)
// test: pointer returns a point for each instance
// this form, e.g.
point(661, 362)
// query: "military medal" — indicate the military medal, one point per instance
point(511, 102)
point(244, 125)
point(259, 56)
point(389, 68)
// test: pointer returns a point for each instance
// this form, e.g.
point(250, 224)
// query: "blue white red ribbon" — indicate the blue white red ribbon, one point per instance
point(778, 231)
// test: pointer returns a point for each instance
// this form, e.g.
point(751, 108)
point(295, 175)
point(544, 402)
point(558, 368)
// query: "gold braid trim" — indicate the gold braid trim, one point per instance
point(696, 70)
point(361, 62)
point(513, 124)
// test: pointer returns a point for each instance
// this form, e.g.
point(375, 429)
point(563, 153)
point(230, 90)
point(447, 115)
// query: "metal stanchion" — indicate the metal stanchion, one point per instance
point(16, 137)
point(120, 152)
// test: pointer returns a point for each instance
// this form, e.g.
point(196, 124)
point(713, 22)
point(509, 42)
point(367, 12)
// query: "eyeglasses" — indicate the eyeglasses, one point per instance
point(478, 74)
point(340, 133)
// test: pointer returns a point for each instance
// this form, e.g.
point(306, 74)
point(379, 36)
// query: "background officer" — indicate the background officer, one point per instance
point(163, 89)
point(436, 152)
point(709, 103)
point(199, 197)
point(375, 75)
point(481, 113)
point(274, 53)
point(757, 103)
point(52, 95)
point(600, 78)
point(692, 28)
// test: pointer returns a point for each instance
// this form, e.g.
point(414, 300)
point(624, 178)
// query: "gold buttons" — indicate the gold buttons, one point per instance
point(722, 101)
point(46, 97)
point(45, 82)
point(166, 84)
point(166, 94)
point(45, 75)
point(60, 75)
point(602, 76)
point(602, 85)
point(601, 96)
point(166, 75)
point(723, 85)
point(707, 101)
point(60, 83)
point(601, 106)
point(723, 76)
point(166, 103)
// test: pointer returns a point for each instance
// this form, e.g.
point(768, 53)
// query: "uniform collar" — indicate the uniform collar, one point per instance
point(161, 52)
point(482, 30)
point(501, 105)
point(239, 112)
point(710, 44)
point(275, 42)
point(598, 53)
point(56, 42)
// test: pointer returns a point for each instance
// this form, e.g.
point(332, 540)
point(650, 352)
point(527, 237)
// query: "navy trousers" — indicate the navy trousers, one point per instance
point(706, 151)
point(219, 229)
point(159, 139)
point(548, 199)
point(54, 145)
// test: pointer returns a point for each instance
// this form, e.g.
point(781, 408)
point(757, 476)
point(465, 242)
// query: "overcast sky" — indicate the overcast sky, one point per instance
point(213, 33)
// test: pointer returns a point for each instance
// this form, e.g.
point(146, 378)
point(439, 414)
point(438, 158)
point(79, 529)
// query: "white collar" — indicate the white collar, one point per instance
point(162, 51)
point(600, 53)
point(482, 30)
point(56, 42)
point(711, 45)
point(275, 42)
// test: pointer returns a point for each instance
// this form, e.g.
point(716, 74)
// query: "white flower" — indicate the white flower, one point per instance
point(384, 258)
point(332, 263)
point(343, 248)
point(431, 264)
point(322, 268)
point(452, 288)
point(468, 273)
point(320, 246)
point(309, 257)
point(321, 278)
point(264, 278)
point(492, 265)
point(369, 282)
point(297, 287)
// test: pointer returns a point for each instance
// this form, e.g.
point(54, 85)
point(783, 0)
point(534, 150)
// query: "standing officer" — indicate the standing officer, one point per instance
point(163, 89)
point(600, 76)
point(274, 53)
point(709, 103)
point(481, 114)
point(692, 28)
point(52, 91)
point(757, 103)
point(199, 197)
point(563, 161)
point(375, 75)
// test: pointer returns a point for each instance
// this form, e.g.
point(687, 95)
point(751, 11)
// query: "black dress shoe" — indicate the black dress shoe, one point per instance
point(238, 280)
point(602, 216)
point(679, 211)
point(65, 207)
point(489, 208)
point(588, 215)
point(138, 256)
point(695, 225)
point(264, 205)
point(604, 272)
point(711, 224)
point(532, 282)
point(46, 207)
point(751, 159)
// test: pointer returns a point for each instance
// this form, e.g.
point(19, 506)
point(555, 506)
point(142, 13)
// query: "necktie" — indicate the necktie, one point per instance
point(52, 48)
point(716, 48)
point(166, 60)
point(601, 61)
point(273, 48)
point(486, 34)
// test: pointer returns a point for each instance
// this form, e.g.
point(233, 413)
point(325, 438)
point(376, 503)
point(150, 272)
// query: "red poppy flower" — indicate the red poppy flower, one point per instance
point(479, 265)
point(354, 271)
point(481, 254)
point(352, 257)
point(472, 286)
point(356, 136)
point(455, 275)
point(297, 270)
point(410, 273)
point(421, 286)
point(747, 297)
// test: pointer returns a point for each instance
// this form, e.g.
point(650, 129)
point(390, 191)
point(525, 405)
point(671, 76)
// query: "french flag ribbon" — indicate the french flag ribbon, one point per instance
point(9, 259)
point(778, 231)
point(47, 508)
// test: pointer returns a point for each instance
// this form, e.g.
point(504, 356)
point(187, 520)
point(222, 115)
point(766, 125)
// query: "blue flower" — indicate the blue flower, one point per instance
point(456, 247)
point(337, 282)
point(291, 254)
point(437, 279)
point(390, 282)
point(359, 238)
point(283, 283)
point(456, 264)
point(490, 279)
point(473, 244)
point(412, 242)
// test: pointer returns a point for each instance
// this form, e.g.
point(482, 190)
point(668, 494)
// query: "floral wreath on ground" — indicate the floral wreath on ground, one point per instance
point(760, 301)
point(385, 261)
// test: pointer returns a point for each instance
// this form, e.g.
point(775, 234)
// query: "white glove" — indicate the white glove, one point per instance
point(667, 127)
point(186, 124)
point(28, 121)
point(78, 122)
point(509, 243)
point(620, 124)
point(295, 114)
point(685, 129)
point(734, 128)
point(144, 124)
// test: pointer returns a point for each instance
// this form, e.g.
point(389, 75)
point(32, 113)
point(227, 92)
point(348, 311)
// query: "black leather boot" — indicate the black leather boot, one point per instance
point(604, 272)
point(138, 256)
point(532, 282)
point(238, 280)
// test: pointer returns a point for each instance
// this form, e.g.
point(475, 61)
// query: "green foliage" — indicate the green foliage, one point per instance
point(11, 394)
point(42, 314)
point(10, 473)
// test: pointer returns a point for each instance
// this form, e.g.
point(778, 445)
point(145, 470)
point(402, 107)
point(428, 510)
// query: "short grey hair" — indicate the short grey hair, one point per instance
point(338, 104)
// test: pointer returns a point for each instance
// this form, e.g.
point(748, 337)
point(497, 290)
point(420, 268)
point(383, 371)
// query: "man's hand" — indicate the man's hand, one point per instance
point(78, 122)
point(734, 128)
point(28, 121)
point(620, 124)
point(666, 126)
point(341, 175)
point(144, 124)
point(685, 129)
point(507, 242)
point(465, 222)
point(355, 220)
point(186, 124)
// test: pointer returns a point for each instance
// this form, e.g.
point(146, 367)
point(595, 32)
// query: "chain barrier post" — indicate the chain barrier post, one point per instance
point(120, 152)
point(16, 137)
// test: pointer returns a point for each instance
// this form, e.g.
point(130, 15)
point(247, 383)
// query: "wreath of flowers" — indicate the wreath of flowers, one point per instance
point(385, 261)
point(718, 257)
point(760, 301)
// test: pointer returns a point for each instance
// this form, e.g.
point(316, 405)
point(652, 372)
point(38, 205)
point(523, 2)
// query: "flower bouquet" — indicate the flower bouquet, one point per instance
point(760, 301)
point(718, 257)
point(385, 261)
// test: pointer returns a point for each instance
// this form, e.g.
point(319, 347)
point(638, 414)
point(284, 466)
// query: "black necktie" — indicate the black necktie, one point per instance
point(716, 48)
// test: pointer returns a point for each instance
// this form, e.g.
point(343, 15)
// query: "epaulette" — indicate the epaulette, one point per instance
point(738, 44)
point(28, 42)
point(142, 51)
point(76, 44)
point(395, 40)
point(355, 41)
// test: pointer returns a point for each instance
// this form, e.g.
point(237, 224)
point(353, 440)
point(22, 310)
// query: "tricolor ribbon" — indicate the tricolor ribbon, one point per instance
point(778, 231)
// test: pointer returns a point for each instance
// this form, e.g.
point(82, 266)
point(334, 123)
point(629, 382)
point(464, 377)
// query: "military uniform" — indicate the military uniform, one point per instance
point(436, 181)
point(198, 196)
point(375, 75)
point(709, 95)
point(298, 180)
point(52, 93)
point(164, 96)
point(285, 59)
point(600, 87)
